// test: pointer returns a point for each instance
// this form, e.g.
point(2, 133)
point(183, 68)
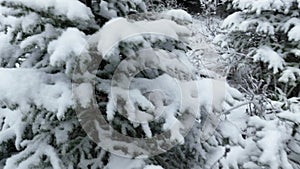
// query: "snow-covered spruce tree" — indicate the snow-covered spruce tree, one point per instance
point(245, 140)
point(265, 34)
point(148, 70)
point(43, 48)
point(263, 45)
point(41, 43)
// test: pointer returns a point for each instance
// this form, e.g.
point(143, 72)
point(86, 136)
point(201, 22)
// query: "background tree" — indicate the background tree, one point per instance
point(266, 35)
point(260, 43)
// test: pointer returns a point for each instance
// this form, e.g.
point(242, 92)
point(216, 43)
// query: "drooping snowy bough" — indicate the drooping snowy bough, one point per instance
point(150, 88)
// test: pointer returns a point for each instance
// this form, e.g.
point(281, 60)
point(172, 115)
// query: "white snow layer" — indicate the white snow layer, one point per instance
point(117, 162)
point(294, 117)
point(120, 29)
point(177, 14)
point(294, 33)
point(268, 55)
point(26, 87)
point(34, 153)
point(236, 21)
point(272, 137)
point(233, 20)
point(83, 94)
point(153, 167)
point(69, 8)
point(290, 74)
point(68, 49)
point(293, 114)
point(72, 41)
point(292, 26)
point(260, 5)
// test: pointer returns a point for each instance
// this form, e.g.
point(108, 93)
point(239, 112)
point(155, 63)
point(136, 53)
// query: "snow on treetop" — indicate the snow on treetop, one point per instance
point(111, 34)
point(69, 8)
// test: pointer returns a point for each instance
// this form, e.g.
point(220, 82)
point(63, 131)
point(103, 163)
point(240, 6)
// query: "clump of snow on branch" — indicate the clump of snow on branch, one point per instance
point(17, 84)
point(267, 55)
point(160, 27)
point(71, 42)
point(69, 8)
point(177, 15)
